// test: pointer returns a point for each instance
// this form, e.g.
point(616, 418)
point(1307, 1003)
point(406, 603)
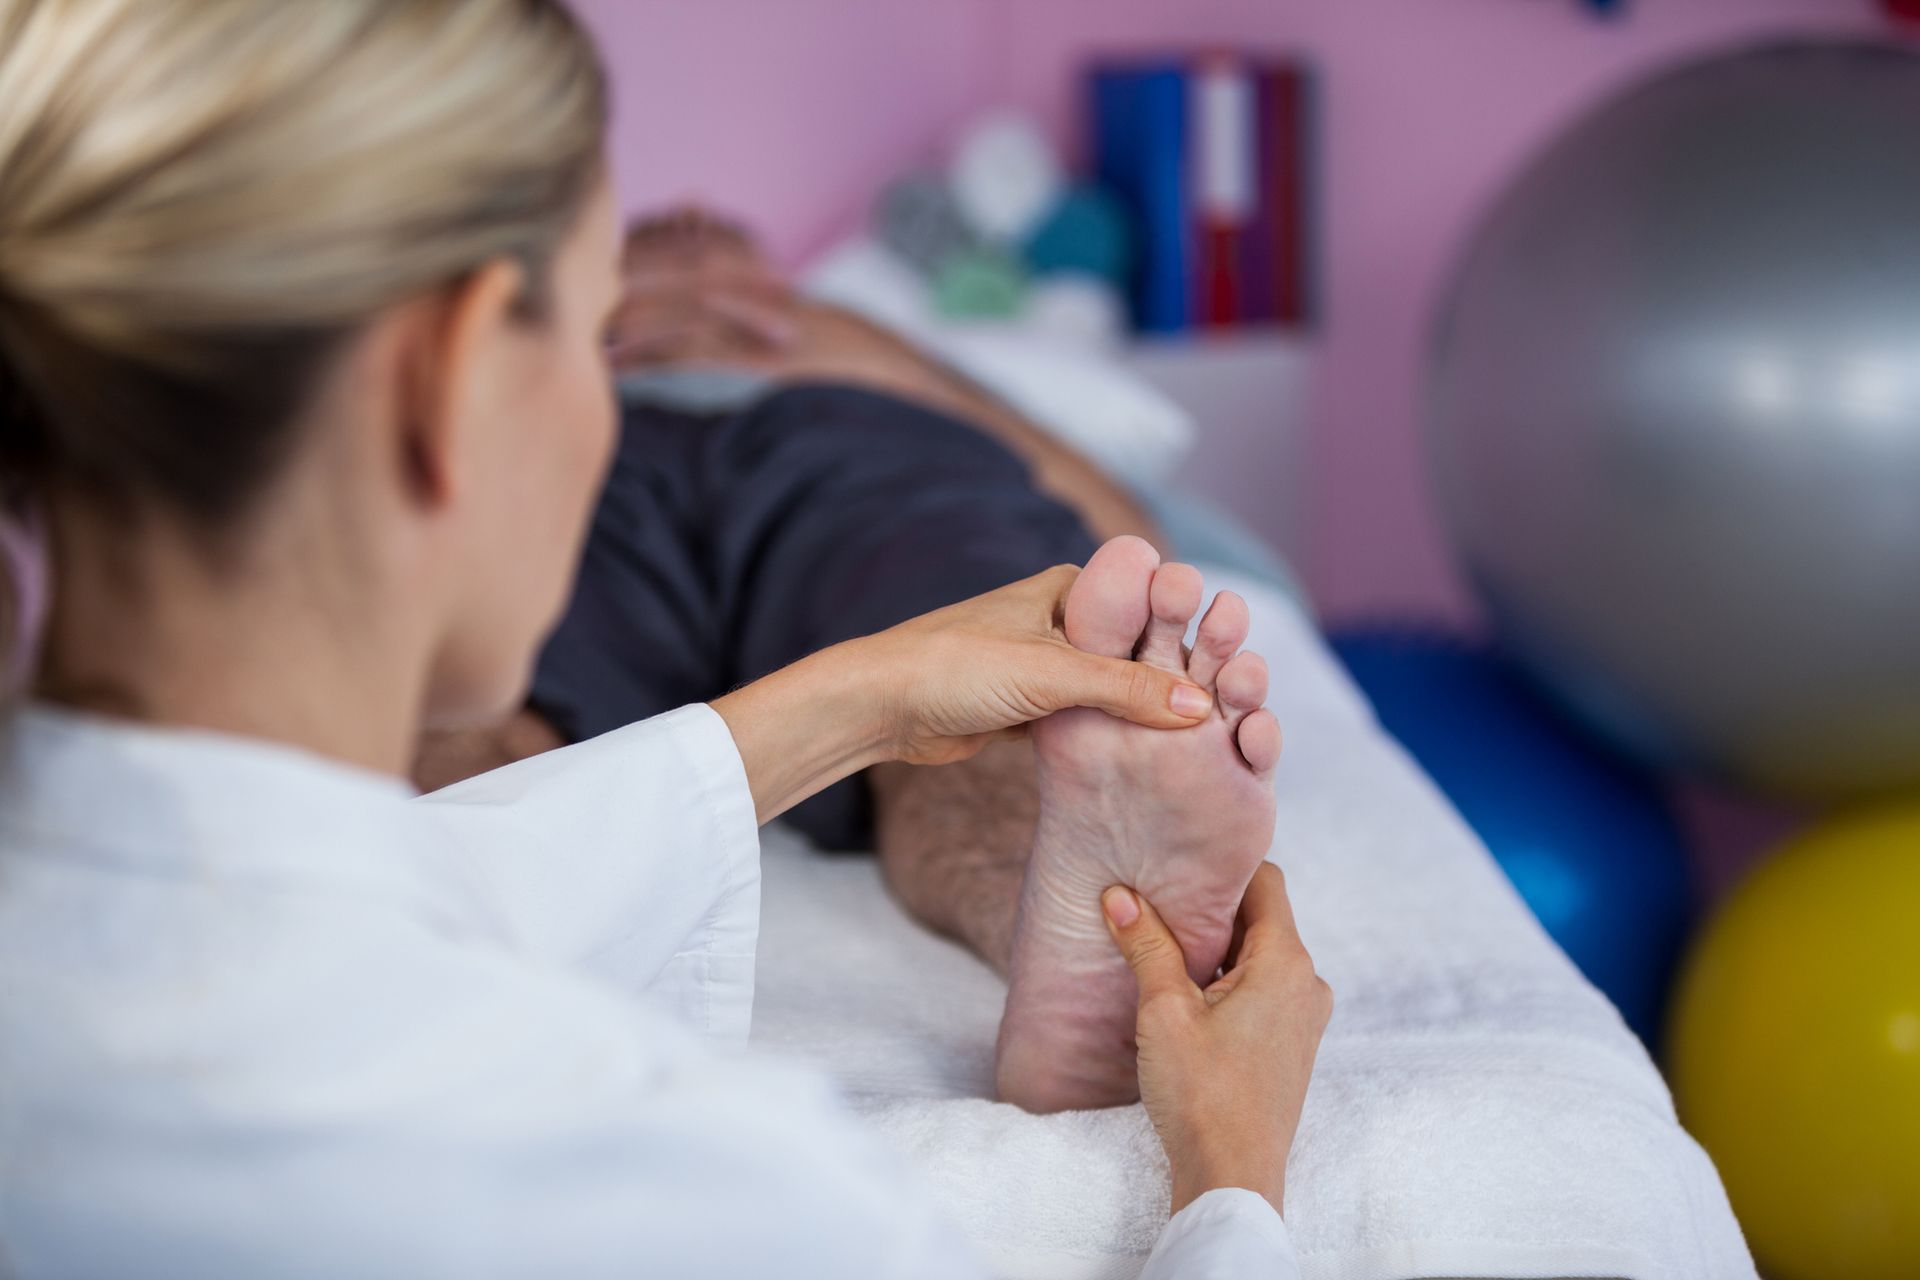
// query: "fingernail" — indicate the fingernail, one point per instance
point(1121, 906)
point(1190, 701)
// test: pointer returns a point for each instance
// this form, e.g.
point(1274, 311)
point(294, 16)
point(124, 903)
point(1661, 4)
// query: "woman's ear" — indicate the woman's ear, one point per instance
point(452, 357)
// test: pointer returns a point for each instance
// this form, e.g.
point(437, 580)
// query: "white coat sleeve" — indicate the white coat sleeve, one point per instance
point(1227, 1234)
point(635, 855)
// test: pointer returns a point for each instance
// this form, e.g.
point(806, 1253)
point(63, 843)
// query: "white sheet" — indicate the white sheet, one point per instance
point(1478, 1109)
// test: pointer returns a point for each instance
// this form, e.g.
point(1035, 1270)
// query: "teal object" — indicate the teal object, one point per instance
point(1089, 233)
point(980, 284)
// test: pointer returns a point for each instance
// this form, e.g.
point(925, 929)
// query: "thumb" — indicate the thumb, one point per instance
point(1150, 948)
point(1131, 690)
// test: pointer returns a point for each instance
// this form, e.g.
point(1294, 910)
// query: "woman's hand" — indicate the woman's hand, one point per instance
point(1223, 1072)
point(936, 689)
point(956, 678)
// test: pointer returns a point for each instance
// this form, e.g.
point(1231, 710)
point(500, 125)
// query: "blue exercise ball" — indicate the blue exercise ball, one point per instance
point(1587, 837)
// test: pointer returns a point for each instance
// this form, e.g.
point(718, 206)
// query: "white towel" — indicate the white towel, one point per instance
point(1477, 1110)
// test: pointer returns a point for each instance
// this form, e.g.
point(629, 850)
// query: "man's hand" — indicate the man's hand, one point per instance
point(729, 316)
point(698, 292)
point(713, 315)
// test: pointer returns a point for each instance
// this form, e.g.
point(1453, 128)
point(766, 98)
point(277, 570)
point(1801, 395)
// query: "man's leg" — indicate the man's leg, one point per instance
point(954, 841)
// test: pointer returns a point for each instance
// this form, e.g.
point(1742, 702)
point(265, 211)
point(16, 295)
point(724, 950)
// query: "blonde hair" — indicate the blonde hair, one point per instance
point(200, 199)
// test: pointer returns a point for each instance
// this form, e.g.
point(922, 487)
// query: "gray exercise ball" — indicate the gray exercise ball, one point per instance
point(1675, 418)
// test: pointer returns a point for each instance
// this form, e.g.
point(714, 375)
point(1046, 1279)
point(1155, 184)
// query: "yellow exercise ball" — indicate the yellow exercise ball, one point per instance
point(1795, 1050)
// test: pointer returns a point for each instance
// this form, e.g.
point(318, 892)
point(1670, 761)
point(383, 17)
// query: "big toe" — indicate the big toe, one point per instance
point(1173, 600)
point(1109, 603)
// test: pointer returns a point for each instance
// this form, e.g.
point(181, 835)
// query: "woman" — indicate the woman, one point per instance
point(300, 310)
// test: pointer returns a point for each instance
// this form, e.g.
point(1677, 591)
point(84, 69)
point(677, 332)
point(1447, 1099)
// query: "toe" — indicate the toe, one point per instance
point(1259, 739)
point(1222, 631)
point(1107, 608)
point(1174, 599)
point(1242, 685)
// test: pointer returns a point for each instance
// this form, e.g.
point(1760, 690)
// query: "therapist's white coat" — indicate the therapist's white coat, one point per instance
point(266, 1015)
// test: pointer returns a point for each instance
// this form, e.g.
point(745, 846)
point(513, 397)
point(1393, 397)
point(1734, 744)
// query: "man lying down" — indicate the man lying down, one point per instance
point(829, 482)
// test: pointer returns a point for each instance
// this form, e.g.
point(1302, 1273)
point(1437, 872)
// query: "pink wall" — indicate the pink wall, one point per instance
point(791, 111)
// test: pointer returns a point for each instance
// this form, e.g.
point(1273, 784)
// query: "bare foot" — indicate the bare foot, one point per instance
point(1183, 816)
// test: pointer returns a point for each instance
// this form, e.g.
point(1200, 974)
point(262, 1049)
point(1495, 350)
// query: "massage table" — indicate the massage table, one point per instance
point(1478, 1108)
